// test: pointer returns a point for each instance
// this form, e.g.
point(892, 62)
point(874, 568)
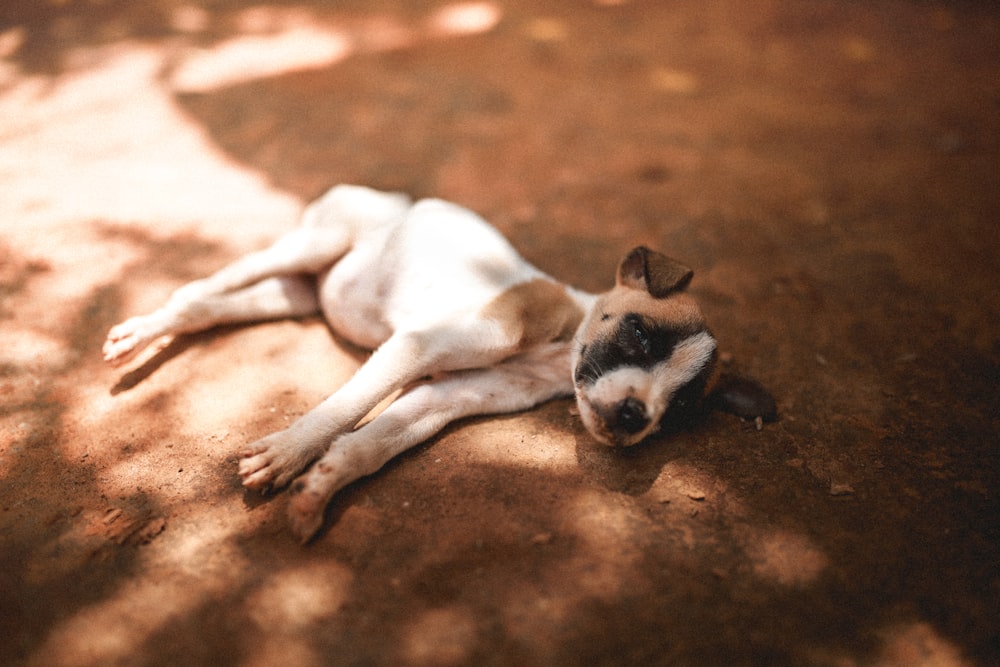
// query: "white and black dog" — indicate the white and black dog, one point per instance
point(459, 322)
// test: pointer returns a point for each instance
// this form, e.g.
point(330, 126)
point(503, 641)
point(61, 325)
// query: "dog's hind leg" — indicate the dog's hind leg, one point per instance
point(267, 284)
point(327, 231)
point(418, 414)
point(272, 298)
point(305, 250)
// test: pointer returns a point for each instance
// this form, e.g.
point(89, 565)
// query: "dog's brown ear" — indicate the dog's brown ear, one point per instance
point(657, 274)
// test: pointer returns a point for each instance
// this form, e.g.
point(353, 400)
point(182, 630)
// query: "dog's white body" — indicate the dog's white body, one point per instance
point(459, 322)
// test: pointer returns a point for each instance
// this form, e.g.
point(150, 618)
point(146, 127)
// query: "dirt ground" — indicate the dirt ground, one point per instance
point(828, 167)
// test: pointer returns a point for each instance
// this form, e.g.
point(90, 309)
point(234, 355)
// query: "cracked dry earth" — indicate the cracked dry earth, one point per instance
point(830, 170)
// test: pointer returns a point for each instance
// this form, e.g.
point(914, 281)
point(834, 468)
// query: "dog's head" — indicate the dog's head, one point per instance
point(642, 351)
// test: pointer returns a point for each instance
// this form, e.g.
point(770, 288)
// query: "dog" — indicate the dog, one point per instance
point(460, 324)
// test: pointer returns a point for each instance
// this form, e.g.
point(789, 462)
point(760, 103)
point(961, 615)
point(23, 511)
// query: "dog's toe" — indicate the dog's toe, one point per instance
point(259, 477)
point(252, 478)
point(250, 462)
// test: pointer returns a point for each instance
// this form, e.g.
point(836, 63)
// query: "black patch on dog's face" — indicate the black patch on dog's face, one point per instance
point(636, 341)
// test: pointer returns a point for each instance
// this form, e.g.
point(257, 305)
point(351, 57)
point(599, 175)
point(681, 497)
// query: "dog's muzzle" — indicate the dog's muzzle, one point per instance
point(623, 419)
point(619, 424)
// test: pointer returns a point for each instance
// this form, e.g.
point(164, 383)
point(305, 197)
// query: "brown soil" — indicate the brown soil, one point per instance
point(830, 169)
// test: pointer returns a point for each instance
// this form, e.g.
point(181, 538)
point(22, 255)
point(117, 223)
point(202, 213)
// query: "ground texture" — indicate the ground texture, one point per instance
point(830, 170)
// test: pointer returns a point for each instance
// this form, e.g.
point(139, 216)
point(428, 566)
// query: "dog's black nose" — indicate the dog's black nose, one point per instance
point(623, 419)
point(631, 416)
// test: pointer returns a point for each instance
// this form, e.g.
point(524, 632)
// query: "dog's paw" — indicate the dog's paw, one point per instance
point(272, 462)
point(127, 339)
point(309, 499)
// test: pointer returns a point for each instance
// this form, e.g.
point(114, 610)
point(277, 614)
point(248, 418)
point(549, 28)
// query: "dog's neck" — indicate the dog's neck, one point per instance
point(586, 302)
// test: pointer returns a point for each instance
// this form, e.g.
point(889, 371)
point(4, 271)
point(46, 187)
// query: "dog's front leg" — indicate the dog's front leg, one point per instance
point(405, 358)
point(417, 415)
point(273, 461)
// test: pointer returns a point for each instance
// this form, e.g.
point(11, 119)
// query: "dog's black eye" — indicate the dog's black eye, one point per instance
point(641, 336)
point(634, 337)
